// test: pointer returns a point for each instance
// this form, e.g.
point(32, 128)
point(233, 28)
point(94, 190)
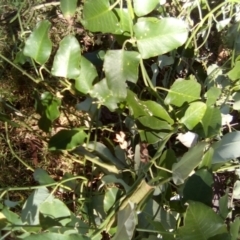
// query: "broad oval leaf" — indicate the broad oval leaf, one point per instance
point(110, 197)
point(126, 223)
point(158, 111)
point(67, 59)
point(30, 210)
point(67, 139)
point(68, 8)
point(38, 46)
point(105, 154)
point(104, 95)
point(121, 66)
point(156, 37)
point(56, 210)
point(211, 121)
point(194, 114)
point(153, 123)
point(187, 163)
point(98, 16)
point(143, 7)
point(42, 176)
point(201, 222)
point(227, 148)
point(88, 73)
point(183, 91)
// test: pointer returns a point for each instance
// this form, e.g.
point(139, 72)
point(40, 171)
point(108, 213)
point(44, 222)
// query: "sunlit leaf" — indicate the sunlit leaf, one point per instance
point(153, 123)
point(157, 110)
point(67, 59)
point(211, 121)
point(38, 46)
point(183, 91)
point(156, 37)
point(187, 163)
point(56, 210)
point(30, 211)
point(143, 7)
point(234, 73)
point(121, 66)
point(126, 222)
point(98, 16)
point(193, 114)
point(104, 95)
point(88, 73)
point(227, 148)
point(212, 95)
point(68, 8)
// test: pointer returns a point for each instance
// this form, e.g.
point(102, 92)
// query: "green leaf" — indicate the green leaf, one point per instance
point(88, 73)
point(201, 223)
point(67, 59)
point(194, 114)
point(124, 26)
point(151, 137)
point(56, 236)
point(12, 219)
point(183, 91)
point(3, 221)
point(42, 176)
point(188, 162)
point(68, 8)
point(110, 197)
point(104, 95)
point(67, 139)
point(166, 161)
point(234, 229)
point(153, 123)
point(223, 205)
point(136, 106)
point(38, 46)
point(203, 179)
point(119, 66)
point(234, 74)
point(113, 179)
point(55, 210)
point(105, 154)
point(236, 98)
point(127, 221)
point(98, 17)
point(143, 7)
point(48, 107)
point(227, 148)
point(212, 95)
point(211, 122)
point(30, 211)
point(156, 37)
point(157, 110)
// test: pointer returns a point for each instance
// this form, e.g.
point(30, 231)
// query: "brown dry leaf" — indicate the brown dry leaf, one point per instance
point(144, 152)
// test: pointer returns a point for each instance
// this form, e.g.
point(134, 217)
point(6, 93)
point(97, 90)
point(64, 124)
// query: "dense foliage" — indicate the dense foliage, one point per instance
point(156, 96)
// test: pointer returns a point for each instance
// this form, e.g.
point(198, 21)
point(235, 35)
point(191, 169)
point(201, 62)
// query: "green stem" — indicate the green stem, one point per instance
point(20, 69)
point(12, 151)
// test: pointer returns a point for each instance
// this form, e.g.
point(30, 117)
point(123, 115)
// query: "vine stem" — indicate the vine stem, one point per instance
point(20, 69)
point(12, 151)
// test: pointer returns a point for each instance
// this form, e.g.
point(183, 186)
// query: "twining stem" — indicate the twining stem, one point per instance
point(20, 69)
point(12, 151)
